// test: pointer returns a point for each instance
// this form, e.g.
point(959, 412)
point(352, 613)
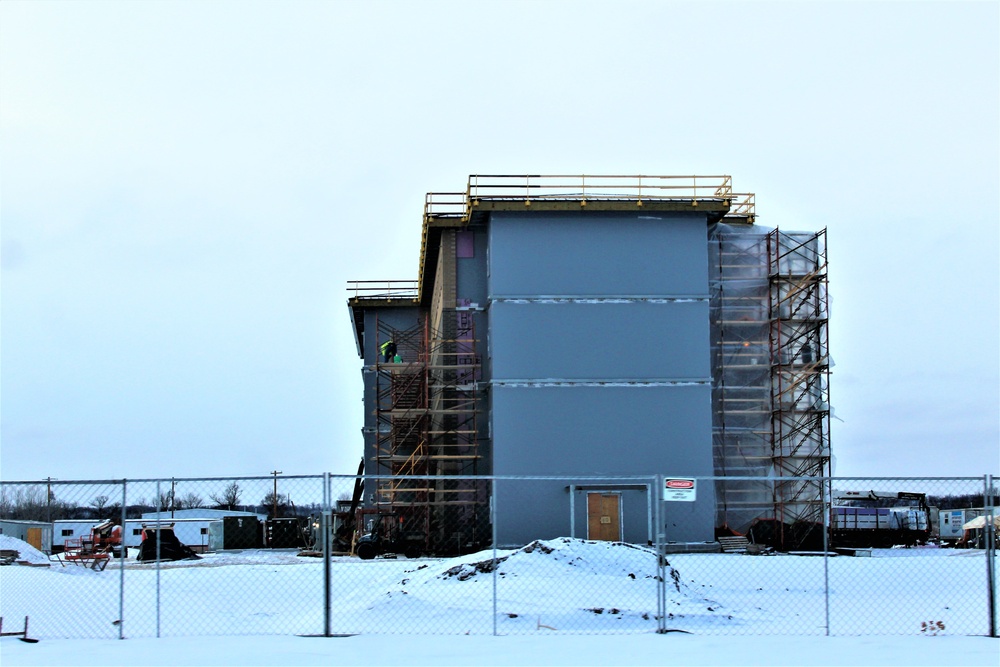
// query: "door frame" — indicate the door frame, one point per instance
point(646, 488)
point(621, 511)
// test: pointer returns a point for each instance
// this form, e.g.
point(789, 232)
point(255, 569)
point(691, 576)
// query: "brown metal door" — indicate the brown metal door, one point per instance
point(603, 516)
point(35, 538)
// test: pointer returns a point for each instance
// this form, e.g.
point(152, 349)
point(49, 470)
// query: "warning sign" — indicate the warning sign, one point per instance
point(679, 489)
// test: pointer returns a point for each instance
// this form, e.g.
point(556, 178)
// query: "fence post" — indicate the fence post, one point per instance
point(121, 562)
point(649, 514)
point(990, 531)
point(826, 548)
point(493, 522)
point(326, 526)
point(159, 541)
point(572, 511)
point(661, 572)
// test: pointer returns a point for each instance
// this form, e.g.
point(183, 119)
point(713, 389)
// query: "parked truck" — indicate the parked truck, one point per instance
point(879, 519)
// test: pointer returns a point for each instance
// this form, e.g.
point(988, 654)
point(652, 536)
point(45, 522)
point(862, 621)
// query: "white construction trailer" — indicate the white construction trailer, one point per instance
point(190, 532)
point(950, 522)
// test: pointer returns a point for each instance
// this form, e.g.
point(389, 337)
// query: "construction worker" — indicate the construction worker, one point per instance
point(388, 350)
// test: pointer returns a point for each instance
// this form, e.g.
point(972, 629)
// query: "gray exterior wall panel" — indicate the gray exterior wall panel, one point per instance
point(606, 341)
point(600, 431)
point(601, 254)
point(613, 297)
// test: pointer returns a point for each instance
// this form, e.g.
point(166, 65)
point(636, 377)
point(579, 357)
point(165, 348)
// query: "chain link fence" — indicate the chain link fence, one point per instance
point(340, 554)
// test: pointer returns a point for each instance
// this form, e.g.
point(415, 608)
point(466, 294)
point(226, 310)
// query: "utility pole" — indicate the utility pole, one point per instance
point(48, 500)
point(275, 496)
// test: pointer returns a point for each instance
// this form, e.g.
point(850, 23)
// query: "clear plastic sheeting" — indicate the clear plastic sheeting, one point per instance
point(741, 373)
point(770, 367)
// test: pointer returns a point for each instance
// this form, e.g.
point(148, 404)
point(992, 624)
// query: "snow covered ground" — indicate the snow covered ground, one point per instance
point(670, 649)
point(728, 609)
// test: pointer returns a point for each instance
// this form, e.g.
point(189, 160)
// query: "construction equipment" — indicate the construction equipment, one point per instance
point(94, 550)
point(160, 543)
point(343, 526)
point(388, 534)
point(346, 523)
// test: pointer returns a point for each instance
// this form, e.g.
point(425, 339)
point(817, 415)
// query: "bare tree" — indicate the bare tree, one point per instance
point(6, 503)
point(269, 505)
point(99, 503)
point(28, 503)
point(190, 501)
point(229, 498)
point(166, 501)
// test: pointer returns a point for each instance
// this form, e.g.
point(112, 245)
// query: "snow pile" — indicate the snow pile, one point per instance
point(26, 551)
point(563, 557)
point(559, 584)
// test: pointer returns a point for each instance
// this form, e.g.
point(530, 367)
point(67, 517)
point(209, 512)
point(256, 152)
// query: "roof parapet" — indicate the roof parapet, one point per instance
point(636, 190)
point(573, 192)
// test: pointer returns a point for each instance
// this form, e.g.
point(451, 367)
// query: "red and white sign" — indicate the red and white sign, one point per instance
point(679, 489)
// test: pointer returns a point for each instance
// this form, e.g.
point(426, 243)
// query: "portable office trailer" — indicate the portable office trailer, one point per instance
point(190, 532)
point(950, 522)
point(36, 533)
point(199, 513)
point(66, 530)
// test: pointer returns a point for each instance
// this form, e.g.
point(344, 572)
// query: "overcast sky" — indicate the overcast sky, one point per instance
point(187, 187)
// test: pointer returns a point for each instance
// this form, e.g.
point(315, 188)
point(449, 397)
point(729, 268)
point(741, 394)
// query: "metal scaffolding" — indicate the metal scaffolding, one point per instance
point(800, 369)
point(770, 369)
point(426, 410)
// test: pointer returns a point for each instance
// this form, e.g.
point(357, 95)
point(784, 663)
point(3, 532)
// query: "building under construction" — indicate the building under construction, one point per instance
point(597, 326)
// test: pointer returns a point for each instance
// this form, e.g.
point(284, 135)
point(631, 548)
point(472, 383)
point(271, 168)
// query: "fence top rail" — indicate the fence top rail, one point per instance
point(147, 480)
point(568, 478)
